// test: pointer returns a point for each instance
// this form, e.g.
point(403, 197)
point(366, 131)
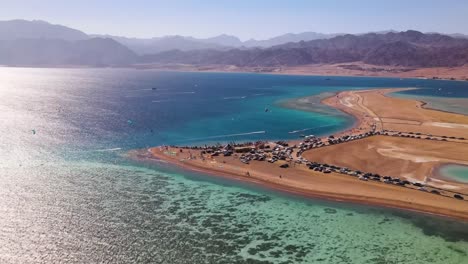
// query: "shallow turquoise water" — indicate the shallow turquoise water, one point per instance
point(89, 212)
point(455, 172)
point(443, 99)
point(70, 194)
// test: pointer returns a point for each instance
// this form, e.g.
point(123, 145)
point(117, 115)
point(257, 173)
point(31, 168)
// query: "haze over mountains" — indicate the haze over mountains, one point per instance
point(38, 43)
point(221, 42)
point(37, 29)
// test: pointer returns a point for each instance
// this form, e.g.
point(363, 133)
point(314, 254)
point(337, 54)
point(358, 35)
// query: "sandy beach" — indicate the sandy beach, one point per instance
point(339, 69)
point(400, 155)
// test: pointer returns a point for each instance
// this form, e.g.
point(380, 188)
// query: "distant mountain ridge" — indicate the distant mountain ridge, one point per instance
point(221, 42)
point(37, 29)
point(38, 43)
point(286, 38)
point(409, 48)
point(161, 44)
point(95, 52)
point(458, 35)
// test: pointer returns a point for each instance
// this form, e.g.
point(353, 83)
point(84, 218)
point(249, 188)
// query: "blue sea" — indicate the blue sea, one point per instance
point(70, 194)
point(442, 98)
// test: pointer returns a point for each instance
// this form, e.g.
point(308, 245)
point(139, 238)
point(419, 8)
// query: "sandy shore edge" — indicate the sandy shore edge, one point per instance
point(335, 196)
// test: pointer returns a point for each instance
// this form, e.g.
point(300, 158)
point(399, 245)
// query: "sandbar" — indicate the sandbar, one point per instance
point(410, 142)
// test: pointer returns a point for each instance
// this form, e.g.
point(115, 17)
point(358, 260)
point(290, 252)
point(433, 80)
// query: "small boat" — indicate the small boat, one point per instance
point(266, 110)
point(154, 88)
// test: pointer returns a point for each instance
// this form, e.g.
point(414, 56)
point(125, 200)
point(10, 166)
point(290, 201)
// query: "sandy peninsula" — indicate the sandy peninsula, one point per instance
point(392, 136)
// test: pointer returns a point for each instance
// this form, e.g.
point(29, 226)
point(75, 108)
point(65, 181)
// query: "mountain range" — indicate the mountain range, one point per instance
point(37, 29)
point(222, 42)
point(38, 43)
point(95, 52)
point(409, 48)
point(160, 44)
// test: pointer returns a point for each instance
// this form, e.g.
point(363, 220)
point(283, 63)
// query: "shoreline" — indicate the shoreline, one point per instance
point(315, 185)
point(326, 70)
point(356, 120)
point(317, 70)
point(304, 193)
point(424, 104)
point(293, 104)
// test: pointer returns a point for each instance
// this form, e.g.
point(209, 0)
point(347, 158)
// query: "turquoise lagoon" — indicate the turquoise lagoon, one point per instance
point(455, 172)
point(449, 100)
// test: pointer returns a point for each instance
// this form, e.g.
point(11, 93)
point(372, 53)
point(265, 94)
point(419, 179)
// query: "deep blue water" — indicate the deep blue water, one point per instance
point(69, 194)
point(109, 106)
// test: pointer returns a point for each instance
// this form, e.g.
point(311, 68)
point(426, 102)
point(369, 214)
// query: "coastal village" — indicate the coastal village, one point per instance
point(281, 153)
point(297, 165)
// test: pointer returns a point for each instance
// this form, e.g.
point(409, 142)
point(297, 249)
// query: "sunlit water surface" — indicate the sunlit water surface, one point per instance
point(69, 194)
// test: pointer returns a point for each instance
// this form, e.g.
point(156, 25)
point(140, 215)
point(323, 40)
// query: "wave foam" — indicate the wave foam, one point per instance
point(228, 135)
point(105, 150)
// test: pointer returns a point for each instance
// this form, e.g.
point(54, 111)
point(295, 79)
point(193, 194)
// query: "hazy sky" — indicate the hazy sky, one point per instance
point(244, 18)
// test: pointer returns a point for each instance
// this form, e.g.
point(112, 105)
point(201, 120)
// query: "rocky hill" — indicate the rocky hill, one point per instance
point(409, 48)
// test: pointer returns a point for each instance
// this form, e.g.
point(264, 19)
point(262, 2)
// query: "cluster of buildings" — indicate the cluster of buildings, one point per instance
point(281, 151)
